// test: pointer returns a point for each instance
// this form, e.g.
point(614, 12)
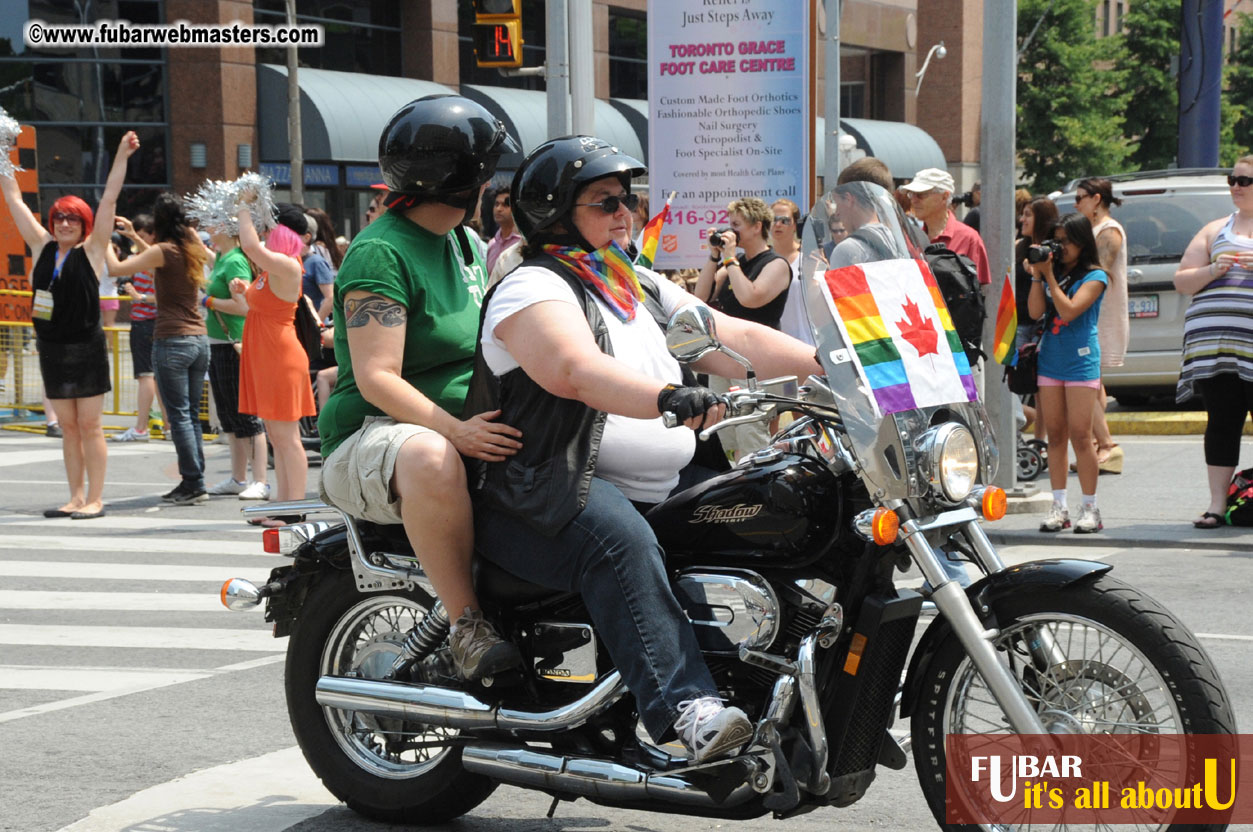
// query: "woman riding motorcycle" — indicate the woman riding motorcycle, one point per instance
point(572, 351)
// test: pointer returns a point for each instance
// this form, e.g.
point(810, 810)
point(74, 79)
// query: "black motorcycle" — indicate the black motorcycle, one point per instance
point(785, 566)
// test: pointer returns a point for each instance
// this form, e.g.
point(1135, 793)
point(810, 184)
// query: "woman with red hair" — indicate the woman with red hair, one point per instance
point(274, 368)
point(73, 356)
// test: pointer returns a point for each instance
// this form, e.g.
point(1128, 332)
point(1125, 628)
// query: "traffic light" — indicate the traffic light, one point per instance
point(498, 33)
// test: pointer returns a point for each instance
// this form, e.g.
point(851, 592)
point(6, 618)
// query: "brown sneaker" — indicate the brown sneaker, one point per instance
point(478, 650)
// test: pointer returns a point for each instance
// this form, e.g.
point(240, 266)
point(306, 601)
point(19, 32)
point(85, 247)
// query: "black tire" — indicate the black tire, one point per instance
point(420, 792)
point(1189, 685)
point(1030, 463)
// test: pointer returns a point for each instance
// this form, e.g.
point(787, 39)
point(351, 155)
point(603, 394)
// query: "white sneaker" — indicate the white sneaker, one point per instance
point(1057, 519)
point(129, 435)
point(1089, 520)
point(230, 485)
point(708, 730)
point(256, 491)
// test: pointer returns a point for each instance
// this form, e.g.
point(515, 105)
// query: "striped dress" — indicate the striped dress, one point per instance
point(1218, 326)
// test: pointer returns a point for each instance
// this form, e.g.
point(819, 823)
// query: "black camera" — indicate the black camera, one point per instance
point(1042, 252)
point(123, 281)
point(967, 199)
point(715, 239)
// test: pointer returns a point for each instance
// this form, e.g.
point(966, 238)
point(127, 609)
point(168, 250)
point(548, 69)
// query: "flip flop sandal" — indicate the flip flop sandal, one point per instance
point(1218, 519)
point(280, 520)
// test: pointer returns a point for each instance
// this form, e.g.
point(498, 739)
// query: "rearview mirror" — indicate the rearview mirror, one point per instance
point(690, 333)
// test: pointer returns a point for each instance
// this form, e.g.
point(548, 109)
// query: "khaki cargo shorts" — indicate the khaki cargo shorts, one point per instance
point(357, 477)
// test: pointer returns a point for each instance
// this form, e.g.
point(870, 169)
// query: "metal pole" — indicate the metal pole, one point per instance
point(831, 66)
point(1000, 80)
point(582, 69)
point(294, 146)
point(557, 68)
point(1200, 82)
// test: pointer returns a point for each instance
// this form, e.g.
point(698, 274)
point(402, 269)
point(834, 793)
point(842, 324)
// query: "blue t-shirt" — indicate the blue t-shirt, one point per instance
point(1071, 351)
point(317, 273)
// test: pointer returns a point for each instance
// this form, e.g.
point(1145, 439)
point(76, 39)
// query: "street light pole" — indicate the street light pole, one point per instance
point(582, 69)
point(557, 68)
point(1000, 80)
point(831, 68)
point(294, 145)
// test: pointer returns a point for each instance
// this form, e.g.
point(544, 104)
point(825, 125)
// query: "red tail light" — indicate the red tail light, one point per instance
point(269, 540)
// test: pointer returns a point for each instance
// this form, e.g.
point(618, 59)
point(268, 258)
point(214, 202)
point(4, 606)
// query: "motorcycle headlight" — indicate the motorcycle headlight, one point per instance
point(954, 459)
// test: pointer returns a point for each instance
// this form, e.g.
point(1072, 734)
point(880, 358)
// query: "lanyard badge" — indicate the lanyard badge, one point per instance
point(41, 306)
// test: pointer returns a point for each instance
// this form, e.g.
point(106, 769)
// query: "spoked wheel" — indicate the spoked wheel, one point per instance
point(1030, 463)
point(1096, 658)
point(386, 769)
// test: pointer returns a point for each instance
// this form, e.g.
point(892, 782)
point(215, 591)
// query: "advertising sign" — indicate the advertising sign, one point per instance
point(728, 108)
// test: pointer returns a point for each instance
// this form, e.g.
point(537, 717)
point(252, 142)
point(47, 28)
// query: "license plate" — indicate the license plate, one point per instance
point(1142, 306)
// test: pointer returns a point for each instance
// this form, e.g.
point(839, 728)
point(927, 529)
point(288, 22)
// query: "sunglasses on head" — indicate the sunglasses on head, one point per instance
point(1242, 181)
point(782, 220)
point(60, 217)
point(610, 203)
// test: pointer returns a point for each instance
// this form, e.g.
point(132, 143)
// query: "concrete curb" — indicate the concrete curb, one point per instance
point(1162, 423)
point(1222, 540)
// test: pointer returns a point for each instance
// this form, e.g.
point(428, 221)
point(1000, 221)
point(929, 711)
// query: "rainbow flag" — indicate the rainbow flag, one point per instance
point(893, 316)
point(651, 236)
point(1006, 323)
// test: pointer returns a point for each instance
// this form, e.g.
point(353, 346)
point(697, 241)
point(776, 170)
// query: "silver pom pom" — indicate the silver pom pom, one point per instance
point(213, 205)
point(9, 130)
point(216, 204)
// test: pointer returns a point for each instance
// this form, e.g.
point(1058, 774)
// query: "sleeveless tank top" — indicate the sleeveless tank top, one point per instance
point(1114, 328)
point(770, 313)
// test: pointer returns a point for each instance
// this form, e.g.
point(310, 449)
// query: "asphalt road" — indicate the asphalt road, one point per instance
point(130, 700)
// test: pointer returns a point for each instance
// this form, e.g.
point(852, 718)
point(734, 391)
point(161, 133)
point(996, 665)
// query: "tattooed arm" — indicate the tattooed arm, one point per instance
point(376, 328)
point(1108, 244)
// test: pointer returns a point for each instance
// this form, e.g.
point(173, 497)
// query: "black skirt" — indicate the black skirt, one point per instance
point(75, 371)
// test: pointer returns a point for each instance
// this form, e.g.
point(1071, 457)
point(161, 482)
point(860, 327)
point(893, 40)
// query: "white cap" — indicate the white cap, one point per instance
point(930, 179)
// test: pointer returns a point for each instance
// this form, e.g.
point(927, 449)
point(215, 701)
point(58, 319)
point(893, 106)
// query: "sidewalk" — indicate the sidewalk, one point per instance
point(1152, 503)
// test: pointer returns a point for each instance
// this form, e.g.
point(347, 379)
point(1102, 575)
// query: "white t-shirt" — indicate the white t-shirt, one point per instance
point(795, 320)
point(642, 457)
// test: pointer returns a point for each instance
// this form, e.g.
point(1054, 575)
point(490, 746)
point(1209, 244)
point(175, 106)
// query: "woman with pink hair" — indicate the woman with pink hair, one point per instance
point(274, 368)
point(73, 357)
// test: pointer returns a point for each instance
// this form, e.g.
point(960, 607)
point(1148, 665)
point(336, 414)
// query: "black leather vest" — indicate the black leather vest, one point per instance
point(546, 483)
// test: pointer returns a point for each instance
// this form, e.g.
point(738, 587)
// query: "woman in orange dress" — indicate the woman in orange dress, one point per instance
point(273, 367)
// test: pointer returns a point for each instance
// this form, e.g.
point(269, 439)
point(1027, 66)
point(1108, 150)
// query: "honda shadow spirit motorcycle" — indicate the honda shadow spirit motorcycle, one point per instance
point(785, 566)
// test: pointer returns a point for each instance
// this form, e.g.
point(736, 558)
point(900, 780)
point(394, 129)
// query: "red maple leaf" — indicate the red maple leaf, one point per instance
point(919, 331)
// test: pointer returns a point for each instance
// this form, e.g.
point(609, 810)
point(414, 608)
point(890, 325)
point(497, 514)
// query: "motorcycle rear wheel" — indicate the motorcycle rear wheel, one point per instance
point(1130, 666)
point(363, 760)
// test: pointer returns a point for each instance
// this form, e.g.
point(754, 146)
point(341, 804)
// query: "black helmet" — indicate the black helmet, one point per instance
point(545, 185)
point(441, 145)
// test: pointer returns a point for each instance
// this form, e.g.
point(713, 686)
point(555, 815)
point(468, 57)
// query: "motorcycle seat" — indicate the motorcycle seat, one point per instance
point(499, 587)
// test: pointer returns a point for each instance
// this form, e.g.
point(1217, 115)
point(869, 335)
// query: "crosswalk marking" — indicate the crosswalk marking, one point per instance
point(128, 571)
point(177, 545)
point(111, 523)
point(12, 599)
point(89, 679)
point(53, 455)
point(160, 638)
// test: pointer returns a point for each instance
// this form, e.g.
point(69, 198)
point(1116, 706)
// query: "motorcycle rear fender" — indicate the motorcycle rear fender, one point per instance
point(327, 551)
point(985, 595)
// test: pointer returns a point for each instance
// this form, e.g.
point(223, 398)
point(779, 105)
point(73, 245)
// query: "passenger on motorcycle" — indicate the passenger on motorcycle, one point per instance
point(573, 352)
point(409, 293)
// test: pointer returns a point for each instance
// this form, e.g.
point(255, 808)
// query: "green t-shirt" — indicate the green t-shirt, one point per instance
point(229, 266)
point(399, 260)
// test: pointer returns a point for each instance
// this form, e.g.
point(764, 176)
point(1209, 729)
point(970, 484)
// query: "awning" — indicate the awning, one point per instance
point(342, 114)
point(904, 148)
point(525, 114)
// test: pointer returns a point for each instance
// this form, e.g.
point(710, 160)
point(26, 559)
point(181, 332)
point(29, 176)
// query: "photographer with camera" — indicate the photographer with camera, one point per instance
point(1067, 285)
point(143, 315)
point(972, 200)
point(752, 287)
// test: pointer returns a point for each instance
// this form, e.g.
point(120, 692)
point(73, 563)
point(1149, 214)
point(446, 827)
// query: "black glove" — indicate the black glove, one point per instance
point(686, 402)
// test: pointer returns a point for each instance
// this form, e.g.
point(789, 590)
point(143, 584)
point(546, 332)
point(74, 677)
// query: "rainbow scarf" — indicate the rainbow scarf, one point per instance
point(608, 270)
point(1006, 324)
point(893, 316)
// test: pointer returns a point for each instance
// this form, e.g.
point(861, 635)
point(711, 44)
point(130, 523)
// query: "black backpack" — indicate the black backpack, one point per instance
point(958, 279)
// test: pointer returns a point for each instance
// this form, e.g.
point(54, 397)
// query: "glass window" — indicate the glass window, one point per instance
point(359, 36)
point(853, 100)
point(533, 51)
point(628, 55)
point(83, 91)
point(77, 12)
point(82, 155)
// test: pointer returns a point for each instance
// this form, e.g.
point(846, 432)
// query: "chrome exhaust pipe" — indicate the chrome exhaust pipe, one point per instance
point(597, 779)
point(451, 708)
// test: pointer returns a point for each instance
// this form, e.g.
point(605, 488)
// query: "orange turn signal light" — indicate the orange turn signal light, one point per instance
point(994, 503)
point(885, 526)
point(223, 594)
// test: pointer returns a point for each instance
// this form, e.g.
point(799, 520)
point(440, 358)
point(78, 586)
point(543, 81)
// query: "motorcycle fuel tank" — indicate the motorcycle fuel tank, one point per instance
point(779, 509)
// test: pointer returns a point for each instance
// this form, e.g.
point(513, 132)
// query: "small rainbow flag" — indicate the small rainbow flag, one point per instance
point(652, 235)
point(893, 316)
point(1006, 323)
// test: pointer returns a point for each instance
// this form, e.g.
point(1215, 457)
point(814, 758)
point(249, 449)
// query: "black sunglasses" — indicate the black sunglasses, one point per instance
point(610, 203)
point(783, 220)
point(1242, 181)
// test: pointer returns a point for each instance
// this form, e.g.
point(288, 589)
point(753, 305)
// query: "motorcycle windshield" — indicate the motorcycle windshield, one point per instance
point(893, 361)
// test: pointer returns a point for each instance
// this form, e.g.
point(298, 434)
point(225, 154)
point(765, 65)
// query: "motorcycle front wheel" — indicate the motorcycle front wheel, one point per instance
point(385, 769)
point(1117, 663)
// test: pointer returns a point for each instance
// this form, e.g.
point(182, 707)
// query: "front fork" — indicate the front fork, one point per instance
point(952, 601)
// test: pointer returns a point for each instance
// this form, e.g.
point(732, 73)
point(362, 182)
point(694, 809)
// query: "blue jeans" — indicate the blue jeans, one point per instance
point(609, 554)
point(180, 364)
